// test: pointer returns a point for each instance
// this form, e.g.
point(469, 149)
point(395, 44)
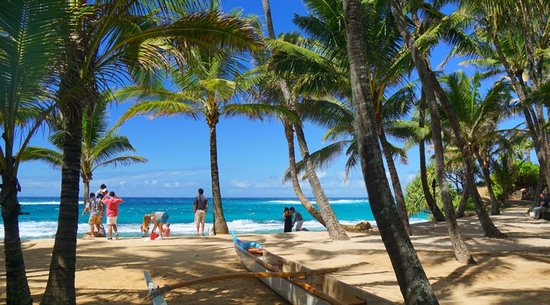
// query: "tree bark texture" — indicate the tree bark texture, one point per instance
point(61, 281)
point(289, 134)
point(396, 184)
point(17, 287)
point(484, 164)
point(220, 226)
point(412, 279)
point(430, 201)
point(463, 202)
point(335, 231)
point(462, 254)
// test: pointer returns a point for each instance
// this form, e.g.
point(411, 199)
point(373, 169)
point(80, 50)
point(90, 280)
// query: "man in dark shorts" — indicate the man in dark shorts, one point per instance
point(200, 207)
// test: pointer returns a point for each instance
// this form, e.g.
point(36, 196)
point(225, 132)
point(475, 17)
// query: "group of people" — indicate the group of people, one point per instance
point(160, 222)
point(159, 219)
point(100, 203)
point(104, 202)
point(292, 218)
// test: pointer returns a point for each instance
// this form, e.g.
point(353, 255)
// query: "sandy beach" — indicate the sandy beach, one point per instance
point(508, 271)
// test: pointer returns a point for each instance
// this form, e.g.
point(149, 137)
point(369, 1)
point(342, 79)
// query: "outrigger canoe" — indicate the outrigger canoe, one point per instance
point(310, 288)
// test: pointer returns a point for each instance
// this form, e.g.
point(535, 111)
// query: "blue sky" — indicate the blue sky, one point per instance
point(252, 155)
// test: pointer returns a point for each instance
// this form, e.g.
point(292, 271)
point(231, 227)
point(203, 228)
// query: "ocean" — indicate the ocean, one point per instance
point(243, 215)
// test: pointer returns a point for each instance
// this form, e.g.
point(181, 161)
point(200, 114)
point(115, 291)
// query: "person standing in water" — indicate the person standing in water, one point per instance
point(112, 202)
point(287, 217)
point(200, 207)
point(298, 219)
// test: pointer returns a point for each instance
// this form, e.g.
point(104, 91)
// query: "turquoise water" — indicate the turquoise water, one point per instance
point(243, 215)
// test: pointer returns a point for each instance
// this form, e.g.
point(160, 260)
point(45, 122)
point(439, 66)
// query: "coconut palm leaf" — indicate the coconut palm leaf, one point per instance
point(51, 157)
point(123, 160)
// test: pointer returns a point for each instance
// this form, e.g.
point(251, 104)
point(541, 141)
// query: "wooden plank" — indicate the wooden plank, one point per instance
point(154, 292)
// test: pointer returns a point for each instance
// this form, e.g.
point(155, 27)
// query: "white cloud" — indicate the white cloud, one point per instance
point(240, 184)
point(321, 174)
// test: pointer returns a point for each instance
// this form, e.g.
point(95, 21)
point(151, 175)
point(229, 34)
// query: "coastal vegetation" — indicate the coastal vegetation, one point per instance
point(361, 69)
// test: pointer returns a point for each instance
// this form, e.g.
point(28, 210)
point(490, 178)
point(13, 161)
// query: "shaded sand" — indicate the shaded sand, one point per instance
point(514, 270)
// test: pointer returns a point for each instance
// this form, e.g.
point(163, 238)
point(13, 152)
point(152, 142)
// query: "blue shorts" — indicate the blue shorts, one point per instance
point(164, 218)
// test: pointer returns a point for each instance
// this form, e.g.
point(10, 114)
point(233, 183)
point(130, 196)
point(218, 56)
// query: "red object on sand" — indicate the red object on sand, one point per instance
point(154, 235)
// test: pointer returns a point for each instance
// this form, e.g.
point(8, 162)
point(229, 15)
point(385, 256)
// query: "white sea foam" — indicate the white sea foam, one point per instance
point(333, 201)
point(47, 229)
point(44, 202)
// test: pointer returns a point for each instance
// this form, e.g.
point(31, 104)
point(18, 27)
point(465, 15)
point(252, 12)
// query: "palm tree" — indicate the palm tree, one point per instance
point(100, 147)
point(324, 67)
point(506, 44)
point(28, 46)
point(431, 87)
point(479, 117)
point(336, 232)
point(114, 40)
point(416, 132)
point(206, 87)
point(411, 277)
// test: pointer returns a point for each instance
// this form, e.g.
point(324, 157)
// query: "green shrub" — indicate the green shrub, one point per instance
point(510, 176)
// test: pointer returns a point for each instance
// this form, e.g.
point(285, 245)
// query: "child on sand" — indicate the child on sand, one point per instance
point(166, 230)
point(159, 219)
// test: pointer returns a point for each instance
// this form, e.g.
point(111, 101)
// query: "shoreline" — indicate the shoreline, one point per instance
point(508, 271)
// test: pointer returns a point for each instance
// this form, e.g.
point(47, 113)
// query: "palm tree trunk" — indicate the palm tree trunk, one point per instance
point(86, 184)
point(431, 84)
point(220, 226)
point(487, 175)
point(412, 279)
point(335, 231)
point(538, 188)
point(538, 141)
point(462, 254)
point(396, 184)
point(463, 202)
point(17, 286)
point(289, 134)
point(61, 281)
point(432, 205)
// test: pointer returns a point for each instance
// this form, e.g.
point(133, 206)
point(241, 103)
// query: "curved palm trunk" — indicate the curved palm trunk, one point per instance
point(484, 164)
point(431, 84)
point(430, 201)
point(289, 134)
point(335, 231)
point(463, 202)
point(412, 279)
point(220, 226)
point(396, 184)
point(539, 142)
point(61, 281)
point(86, 192)
point(17, 286)
point(462, 254)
